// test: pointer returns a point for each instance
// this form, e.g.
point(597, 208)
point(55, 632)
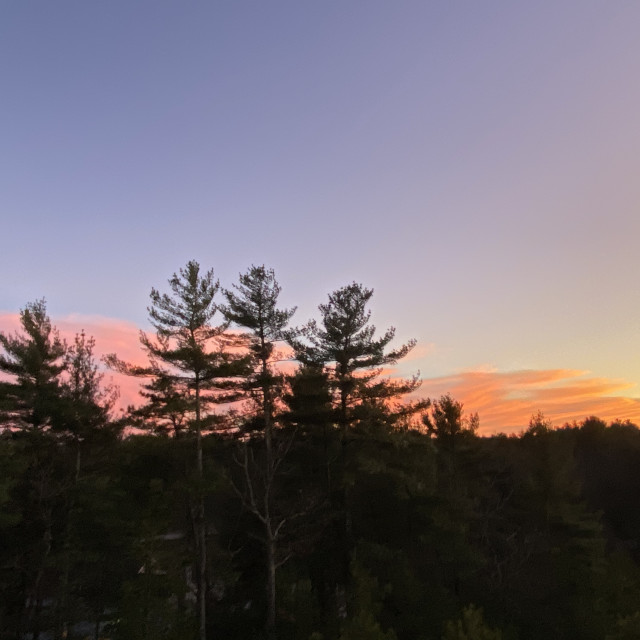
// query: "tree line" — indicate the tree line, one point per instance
point(242, 499)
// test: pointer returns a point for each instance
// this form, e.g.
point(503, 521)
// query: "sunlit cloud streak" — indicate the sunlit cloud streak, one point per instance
point(506, 400)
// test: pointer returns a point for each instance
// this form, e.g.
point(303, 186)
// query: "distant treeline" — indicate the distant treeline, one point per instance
point(241, 502)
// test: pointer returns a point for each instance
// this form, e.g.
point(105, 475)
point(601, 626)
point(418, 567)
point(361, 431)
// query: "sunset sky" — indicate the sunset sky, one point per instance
point(475, 163)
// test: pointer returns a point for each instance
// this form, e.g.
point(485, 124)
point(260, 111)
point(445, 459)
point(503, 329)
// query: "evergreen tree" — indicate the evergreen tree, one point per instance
point(167, 406)
point(451, 429)
point(31, 406)
point(345, 343)
point(84, 424)
point(309, 410)
point(59, 403)
point(197, 359)
point(253, 307)
point(88, 401)
point(447, 423)
point(35, 360)
point(308, 399)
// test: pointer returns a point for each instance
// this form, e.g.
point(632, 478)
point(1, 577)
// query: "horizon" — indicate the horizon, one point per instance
point(504, 401)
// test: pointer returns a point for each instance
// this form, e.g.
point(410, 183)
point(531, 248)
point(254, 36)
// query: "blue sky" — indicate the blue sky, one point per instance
point(475, 163)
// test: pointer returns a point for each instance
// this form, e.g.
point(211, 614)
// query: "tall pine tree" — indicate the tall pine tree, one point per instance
point(253, 307)
point(201, 363)
point(344, 342)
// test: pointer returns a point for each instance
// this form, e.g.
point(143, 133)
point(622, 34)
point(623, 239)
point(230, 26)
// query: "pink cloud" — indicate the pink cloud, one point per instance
point(123, 339)
point(111, 336)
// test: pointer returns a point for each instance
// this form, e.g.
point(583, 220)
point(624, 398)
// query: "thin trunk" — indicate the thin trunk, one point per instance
point(62, 614)
point(343, 497)
point(271, 577)
point(270, 539)
point(344, 418)
point(202, 571)
point(201, 542)
point(266, 404)
point(326, 457)
point(199, 466)
point(35, 601)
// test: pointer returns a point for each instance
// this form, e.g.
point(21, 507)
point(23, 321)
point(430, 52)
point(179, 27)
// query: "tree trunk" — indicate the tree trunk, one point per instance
point(62, 613)
point(201, 534)
point(270, 464)
point(271, 582)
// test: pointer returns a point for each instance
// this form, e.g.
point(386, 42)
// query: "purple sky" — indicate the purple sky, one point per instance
point(475, 163)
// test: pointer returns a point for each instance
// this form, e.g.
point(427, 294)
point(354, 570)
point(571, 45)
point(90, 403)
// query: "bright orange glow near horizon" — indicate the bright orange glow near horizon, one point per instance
point(504, 400)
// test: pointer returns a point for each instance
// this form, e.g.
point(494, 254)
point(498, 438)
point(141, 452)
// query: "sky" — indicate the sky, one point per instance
point(474, 163)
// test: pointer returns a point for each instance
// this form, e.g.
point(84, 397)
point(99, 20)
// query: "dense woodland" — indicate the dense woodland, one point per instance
point(243, 499)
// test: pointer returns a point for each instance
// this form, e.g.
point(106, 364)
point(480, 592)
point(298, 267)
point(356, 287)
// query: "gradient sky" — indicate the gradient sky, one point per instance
point(474, 162)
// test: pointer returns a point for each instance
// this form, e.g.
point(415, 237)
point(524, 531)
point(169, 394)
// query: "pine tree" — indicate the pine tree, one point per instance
point(166, 410)
point(88, 400)
point(35, 359)
point(253, 307)
point(447, 423)
point(202, 363)
point(86, 403)
point(309, 409)
point(345, 343)
point(57, 403)
point(31, 407)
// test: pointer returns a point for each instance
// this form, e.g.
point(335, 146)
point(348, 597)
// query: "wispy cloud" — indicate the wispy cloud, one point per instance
point(506, 400)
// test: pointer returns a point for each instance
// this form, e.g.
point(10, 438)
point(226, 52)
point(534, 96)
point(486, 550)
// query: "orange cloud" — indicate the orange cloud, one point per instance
point(506, 400)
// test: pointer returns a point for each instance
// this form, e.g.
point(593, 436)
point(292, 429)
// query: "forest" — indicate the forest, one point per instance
point(275, 482)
